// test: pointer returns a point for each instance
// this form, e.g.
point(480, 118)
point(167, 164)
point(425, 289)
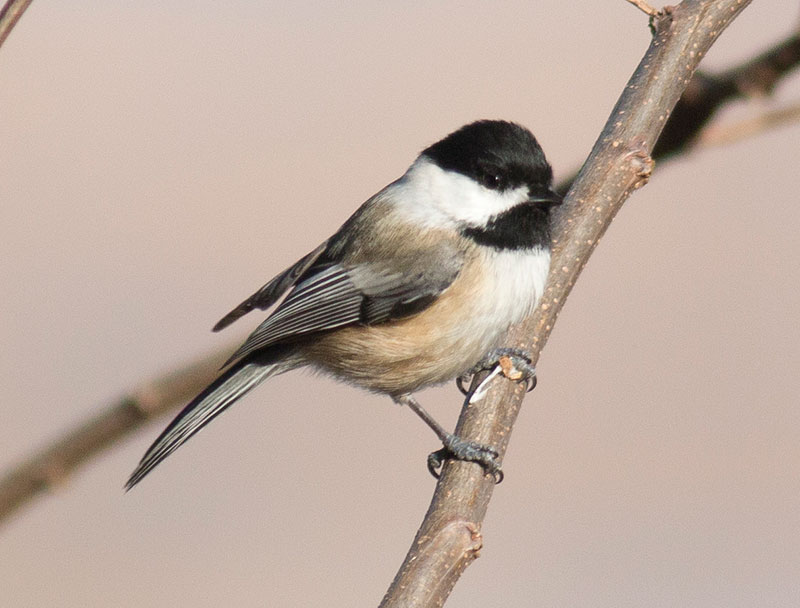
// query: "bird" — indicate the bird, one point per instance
point(418, 287)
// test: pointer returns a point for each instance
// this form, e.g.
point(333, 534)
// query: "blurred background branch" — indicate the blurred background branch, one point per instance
point(50, 467)
point(9, 15)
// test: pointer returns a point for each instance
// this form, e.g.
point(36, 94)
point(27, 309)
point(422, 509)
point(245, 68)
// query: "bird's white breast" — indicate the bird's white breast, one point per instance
point(512, 284)
point(519, 280)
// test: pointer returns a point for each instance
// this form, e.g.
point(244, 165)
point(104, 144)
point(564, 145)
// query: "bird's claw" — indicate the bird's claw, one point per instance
point(469, 451)
point(462, 380)
point(513, 363)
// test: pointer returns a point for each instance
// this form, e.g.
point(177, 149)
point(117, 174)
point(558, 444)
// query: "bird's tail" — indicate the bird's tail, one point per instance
point(234, 383)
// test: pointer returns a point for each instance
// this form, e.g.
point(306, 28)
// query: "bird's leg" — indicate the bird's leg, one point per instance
point(454, 446)
point(513, 363)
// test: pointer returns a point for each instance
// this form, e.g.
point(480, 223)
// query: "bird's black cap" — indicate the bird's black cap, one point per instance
point(495, 153)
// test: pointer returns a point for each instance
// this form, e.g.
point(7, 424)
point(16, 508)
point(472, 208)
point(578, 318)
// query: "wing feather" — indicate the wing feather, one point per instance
point(369, 272)
point(336, 296)
point(269, 293)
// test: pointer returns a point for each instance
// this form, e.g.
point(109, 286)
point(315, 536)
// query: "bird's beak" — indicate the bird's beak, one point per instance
point(547, 198)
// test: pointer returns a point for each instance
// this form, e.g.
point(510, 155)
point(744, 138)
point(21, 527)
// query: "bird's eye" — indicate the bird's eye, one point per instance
point(493, 180)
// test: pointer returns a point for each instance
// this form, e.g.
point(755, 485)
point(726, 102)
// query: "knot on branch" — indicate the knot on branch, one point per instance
point(641, 163)
point(661, 20)
point(458, 540)
point(437, 559)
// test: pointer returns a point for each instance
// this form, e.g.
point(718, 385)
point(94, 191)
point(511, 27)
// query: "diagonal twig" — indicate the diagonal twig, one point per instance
point(9, 15)
point(643, 6)
point(728, 133)
point(47, 469)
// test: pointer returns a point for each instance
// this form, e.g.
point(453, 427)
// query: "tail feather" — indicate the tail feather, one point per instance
point(221, 394)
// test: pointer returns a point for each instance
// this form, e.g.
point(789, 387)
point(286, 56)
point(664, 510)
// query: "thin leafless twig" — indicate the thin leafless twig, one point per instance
point(644, 7)
point(48, 468)
point(9, 15)
point(717, 135)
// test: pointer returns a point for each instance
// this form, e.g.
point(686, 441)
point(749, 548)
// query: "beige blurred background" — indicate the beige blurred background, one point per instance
point(158, 163)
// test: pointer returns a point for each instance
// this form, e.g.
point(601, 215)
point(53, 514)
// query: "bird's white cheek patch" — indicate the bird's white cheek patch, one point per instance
point(434, 197)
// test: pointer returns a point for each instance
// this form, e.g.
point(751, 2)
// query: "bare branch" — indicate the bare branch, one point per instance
point(9, 15)
point(728, 133)
point(618, 164)
point(644, 7)
point(46, 469)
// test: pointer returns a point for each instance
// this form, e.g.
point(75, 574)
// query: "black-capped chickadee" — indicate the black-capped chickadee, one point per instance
point(413, 290)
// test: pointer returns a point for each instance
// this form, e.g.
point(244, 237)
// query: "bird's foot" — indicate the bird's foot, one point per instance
point(454, 446)
point(469, 451)
point(513, 363)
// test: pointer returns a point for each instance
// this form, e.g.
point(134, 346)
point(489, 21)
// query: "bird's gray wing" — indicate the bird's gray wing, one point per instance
point(269, 293)
point(335, 295)
point(328, 296)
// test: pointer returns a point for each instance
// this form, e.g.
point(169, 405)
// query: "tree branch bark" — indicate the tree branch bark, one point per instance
point(9, 15)
point(618, 164)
